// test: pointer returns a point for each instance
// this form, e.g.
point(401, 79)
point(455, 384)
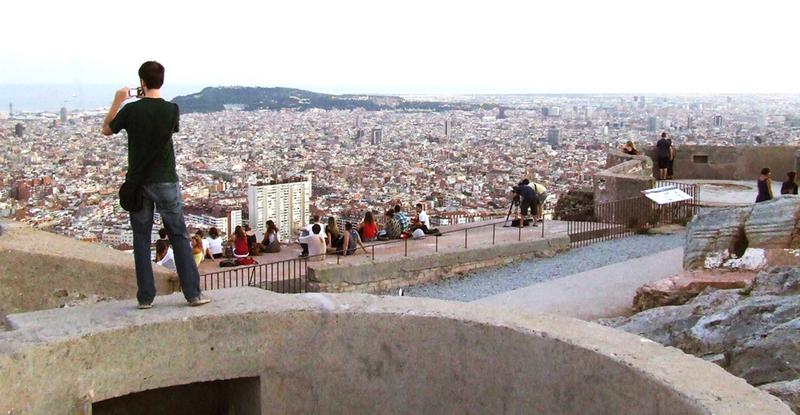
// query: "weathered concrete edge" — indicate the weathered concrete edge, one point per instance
point(404, 268)
point(701, 384)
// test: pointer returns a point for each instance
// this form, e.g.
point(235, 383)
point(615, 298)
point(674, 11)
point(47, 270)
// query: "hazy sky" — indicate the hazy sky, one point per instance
point(410, 46)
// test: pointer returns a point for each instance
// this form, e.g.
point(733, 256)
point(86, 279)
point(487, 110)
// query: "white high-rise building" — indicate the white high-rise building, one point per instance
point(286, 203)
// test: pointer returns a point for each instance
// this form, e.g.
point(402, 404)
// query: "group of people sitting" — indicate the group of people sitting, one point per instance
point(317, 240)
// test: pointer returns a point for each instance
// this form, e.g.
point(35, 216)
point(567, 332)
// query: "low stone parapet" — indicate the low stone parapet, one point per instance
point(386, 275)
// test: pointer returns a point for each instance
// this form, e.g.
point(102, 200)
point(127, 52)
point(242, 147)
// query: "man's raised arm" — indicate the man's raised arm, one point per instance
point(119, 97)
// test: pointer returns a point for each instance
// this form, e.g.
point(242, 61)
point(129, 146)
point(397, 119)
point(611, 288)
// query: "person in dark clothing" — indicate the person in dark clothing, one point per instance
point(764, 185)
point(162, 243)
point(789, 187)
point(527, 200)
point(662, 152)
point(671, 161)
point(150, 122)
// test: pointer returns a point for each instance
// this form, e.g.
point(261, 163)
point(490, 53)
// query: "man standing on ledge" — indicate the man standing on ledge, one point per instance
point(150, 122)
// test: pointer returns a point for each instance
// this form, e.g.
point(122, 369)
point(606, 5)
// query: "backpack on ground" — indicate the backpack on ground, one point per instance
point(228, 263)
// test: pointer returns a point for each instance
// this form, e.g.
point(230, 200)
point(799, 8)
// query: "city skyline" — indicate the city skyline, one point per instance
point(421, 48)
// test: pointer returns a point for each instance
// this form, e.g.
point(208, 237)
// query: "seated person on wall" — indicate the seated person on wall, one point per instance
point(351, 240)
point(197, 249)
point(270, 244)
point(368, 228)
point(789, 187)
point(333, 236)
point(401, 218)
point(252, 241)
point(629, 148)
point(162, 241)
point(166, 258)
point(315, 243)
point(239, 241)
point(391, 229)
point(206, 251)
point(308, 230)
point(214, 243)
point(421, 219)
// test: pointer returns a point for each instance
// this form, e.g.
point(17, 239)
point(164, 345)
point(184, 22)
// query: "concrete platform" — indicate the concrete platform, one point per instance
point(603, 292)
point(469, 241)
point(350, 354)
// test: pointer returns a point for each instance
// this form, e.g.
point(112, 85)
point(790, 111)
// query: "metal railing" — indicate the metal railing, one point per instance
point(291, 275)
point(287, 276)
point(621, 218)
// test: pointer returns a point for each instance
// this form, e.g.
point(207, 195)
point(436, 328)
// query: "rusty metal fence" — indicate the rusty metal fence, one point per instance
point(626, 217)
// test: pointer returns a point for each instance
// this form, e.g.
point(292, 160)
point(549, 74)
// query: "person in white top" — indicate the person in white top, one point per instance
point(168, 261)
point(315, 243)
point(214, 243)
point(422, 216)
point(309, 229)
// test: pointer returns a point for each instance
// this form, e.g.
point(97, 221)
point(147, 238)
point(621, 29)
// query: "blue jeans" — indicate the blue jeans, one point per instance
point(166, 198)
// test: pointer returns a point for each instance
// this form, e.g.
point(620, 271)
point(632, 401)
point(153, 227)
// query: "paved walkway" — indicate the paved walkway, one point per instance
point(603, 292)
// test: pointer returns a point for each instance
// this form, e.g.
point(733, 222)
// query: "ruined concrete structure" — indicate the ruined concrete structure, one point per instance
point(731, 162)
point(255, 352)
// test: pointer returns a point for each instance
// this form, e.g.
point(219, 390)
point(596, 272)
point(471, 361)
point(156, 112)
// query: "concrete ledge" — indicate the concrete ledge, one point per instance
point(40, 270)
point(389, 274)
point(347, 354)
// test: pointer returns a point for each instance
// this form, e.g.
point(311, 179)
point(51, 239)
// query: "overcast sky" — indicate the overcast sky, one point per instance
point(410, 46)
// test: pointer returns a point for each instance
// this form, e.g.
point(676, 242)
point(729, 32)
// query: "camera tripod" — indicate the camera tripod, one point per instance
point(514, 204)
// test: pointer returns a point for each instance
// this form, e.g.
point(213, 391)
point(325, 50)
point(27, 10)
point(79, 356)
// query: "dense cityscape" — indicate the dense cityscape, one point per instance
point(57, 172)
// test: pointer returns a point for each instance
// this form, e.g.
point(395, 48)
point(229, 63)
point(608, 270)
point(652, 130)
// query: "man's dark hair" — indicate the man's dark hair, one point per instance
point(663, 135)
point(152, 73)
point(348, 226)
point(316, 228)
point(525, 182)
point(765, 171)
point(162, 233)
point(397, 209)
point(419, 205)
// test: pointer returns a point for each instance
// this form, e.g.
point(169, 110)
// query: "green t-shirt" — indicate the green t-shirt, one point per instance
point(150, 123)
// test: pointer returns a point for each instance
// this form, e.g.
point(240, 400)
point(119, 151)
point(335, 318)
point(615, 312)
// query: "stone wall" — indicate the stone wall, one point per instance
point(731, 163)
point(40, 270)
point(388, 275)
point(357, 354)
point(625, 177)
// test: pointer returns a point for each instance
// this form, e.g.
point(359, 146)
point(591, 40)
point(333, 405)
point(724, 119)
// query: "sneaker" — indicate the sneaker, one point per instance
point(144, 306)
point(199, 300)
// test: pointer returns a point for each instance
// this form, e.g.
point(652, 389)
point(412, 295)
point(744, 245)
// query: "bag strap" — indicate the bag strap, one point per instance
point(160, 146)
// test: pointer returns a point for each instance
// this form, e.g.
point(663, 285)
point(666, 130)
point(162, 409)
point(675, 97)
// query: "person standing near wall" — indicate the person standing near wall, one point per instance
point(672, 152)
point(662, 153)
point(789, 187)
point(764, 184)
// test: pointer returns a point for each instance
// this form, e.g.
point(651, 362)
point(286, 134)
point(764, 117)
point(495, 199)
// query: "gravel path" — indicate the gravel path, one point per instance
point(483, 283)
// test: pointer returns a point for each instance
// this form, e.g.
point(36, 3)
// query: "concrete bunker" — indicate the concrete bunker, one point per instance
point(343, 354)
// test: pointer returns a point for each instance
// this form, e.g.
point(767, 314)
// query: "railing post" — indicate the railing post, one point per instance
point(373, 252)
point(494, 228)
point(543, 226)
point(465, 237)
point(437, 243)
point(406, 246)
point(521, 224)
point(337, 257)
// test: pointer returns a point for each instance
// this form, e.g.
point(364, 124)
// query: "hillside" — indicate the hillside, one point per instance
point(212, 99)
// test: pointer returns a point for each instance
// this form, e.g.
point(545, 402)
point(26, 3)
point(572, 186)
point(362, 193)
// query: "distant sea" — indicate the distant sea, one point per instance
point(76, 97)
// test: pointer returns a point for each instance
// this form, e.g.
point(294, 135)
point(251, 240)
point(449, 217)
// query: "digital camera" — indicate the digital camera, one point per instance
point(136, 92)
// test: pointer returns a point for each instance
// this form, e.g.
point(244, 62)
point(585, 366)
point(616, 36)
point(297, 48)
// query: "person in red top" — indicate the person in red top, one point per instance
point(368, 228)
point(240, 248)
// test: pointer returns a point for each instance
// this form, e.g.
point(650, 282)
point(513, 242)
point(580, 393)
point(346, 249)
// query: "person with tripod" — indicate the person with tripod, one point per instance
point(525, 196)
